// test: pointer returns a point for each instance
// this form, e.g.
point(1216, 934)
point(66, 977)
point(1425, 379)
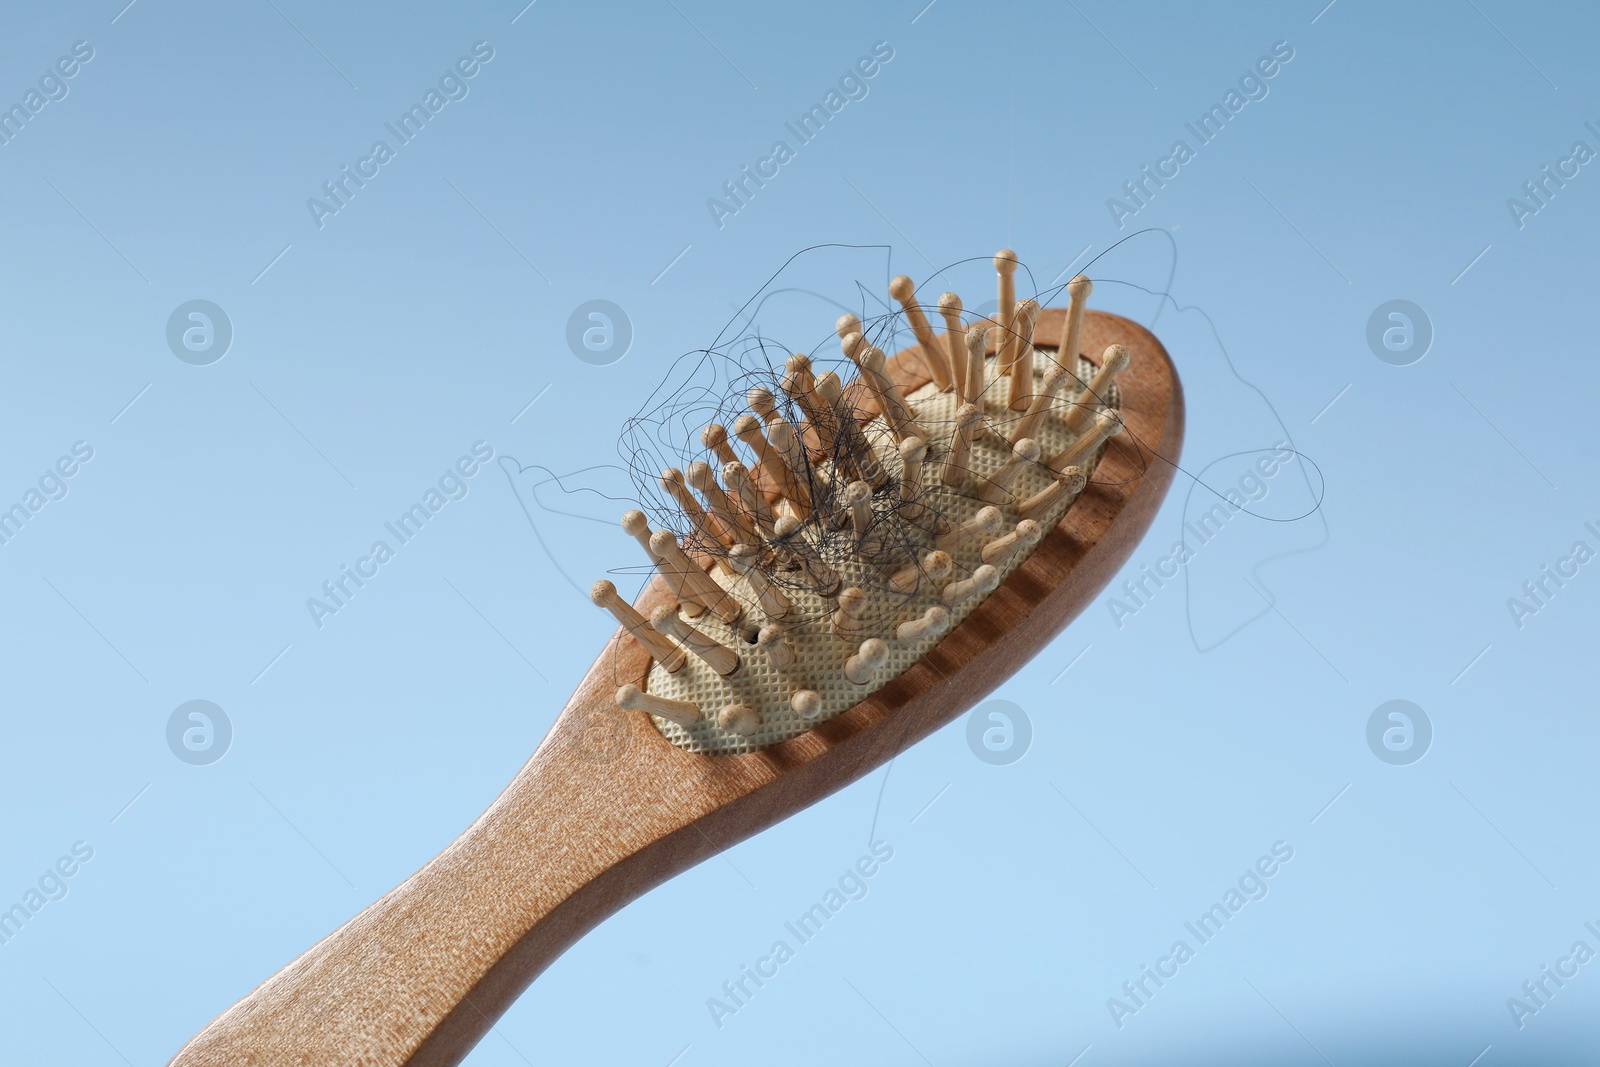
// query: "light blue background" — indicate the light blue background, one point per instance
point(428, 313)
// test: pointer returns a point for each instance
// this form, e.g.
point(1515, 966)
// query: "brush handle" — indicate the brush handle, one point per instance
point(422, 973)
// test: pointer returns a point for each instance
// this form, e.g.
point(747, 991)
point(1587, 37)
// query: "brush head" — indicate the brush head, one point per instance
point(873, 575)
point(738, 719)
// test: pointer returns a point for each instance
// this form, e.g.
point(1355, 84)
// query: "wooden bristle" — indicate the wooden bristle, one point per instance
point(778, 651)
point(935, 568)
point(1024, 536)
point(773, 602)
point(955, 340)
point(969, 420)
point(858, 499)
point(831, 391)
point(798, 367)
point(849, 617)
point(846, 324)
point(996, 488)
point(768, 466)
point(795, 470)
point(1005, 266)
point(985, 523)
point(636, 526)
point(823, 578)
point(1107, 424)
point(669, 655)
point(901, 289)
point(677, 570)
point(715, 437)
point(763, 403)
point(936, 620)
point(688, 581)
point(737, 478)
point(1078, 290)
point(867, 661)
point(849, 446)
point(731, 521)
point(1113, 362)
point(1021, 370)
point(1069, 483)
point(984, 580)
point(913, 450)
point(1054, 383)
point(740, 719)
point(672, 482)
point(972, 384)
point(723, 660)
point(904, 419)
point(891, 404)
point(807, 703)
point(683, 712)
point(800, 386)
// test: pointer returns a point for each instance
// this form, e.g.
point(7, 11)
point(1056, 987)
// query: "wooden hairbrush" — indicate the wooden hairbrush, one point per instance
point(853, 566)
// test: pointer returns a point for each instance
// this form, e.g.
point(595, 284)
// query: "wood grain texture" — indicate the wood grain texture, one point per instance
point(606, 808)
